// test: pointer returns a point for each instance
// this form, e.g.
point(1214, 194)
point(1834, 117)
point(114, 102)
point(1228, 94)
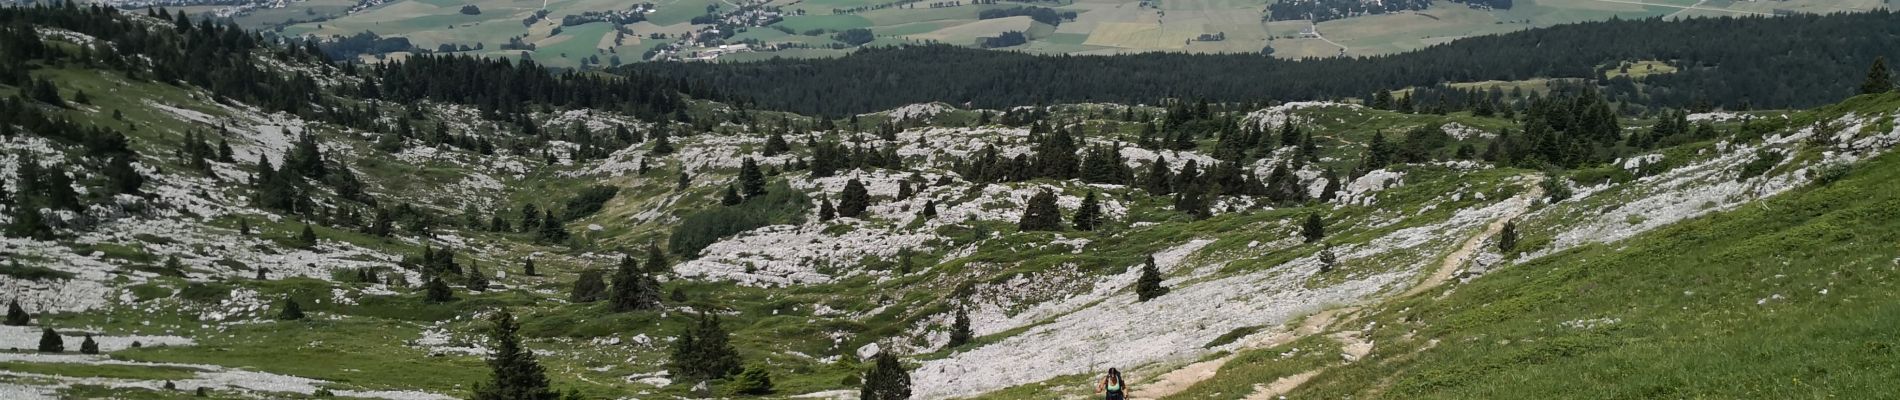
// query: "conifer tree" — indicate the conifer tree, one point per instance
point(1089, 214)
point(1327, 259)
point(751, 181)
point(930, 209)
point(1148, 285)
point(731, 197)
point(527, 267)
point(825, 211)
point(633, 289)
point(886, 380)
point(685, 181)
point(291, 311)
point(661, 145)
point(775, 144)
point(515, 373)
point(960, 329)
point(17, 316)
point(50, 342)
point(656, 260)
point(588, 288)
point(307, 237)
point(1333, 185)
point(753, 381)
point(704, 352)
point(88, 346)
point(1879, 78)
point(121, 177)
point(1507, 237)
point(552, 230)
point(1041, 213)
point(853, 200)
point(477, 281)
point(1313, 229)
point(437, 292)
point(530, 218)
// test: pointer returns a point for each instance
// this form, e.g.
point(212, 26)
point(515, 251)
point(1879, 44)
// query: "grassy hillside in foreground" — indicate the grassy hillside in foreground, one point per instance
point(1791, 297)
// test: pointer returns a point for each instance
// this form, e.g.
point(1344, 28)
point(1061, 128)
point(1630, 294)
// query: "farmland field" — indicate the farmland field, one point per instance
point(1098, 26)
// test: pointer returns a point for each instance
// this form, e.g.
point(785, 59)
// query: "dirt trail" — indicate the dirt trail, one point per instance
point(1459, 258)
point(1355, 345)
point(1180, 379)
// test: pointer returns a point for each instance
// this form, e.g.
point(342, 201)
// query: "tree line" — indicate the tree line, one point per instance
point(1792, 62)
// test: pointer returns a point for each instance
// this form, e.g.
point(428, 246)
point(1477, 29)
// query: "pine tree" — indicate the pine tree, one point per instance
point(437, 292)
point(588, 288)
point(1089, 214)
point(1507, 237)
point(886, 380)
point(853, 200)
point(28, 222)
point(753, 381)
point(552, 230)
point(527, 267)
point(661, 145)
point(775, 144)
point(477, 281)
point(633, 289)
point(530, 217)
point(685, 181)
point(516, 374)
point(825, 211)
point(930, 209)
point(1148, 286)
point(1879, 78)
point(121, 177)
point(1327, 259)
point(960, 329)
point(292, 311)
point(88, 346)
point(751, 181)
point(50, 342)
point(1333, 186)
point(17, 316)
point(656, 260)
point(1041, 213)
point(1313, 229)
point(731, 198)
point(307, 237)
point(704, 352)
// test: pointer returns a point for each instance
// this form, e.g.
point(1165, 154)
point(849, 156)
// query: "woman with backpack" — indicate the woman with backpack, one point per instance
point(1112, 385)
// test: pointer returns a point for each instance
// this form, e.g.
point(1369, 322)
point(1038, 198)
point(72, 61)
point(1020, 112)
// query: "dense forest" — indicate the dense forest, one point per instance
point(1795, 61)
point(1326, 10)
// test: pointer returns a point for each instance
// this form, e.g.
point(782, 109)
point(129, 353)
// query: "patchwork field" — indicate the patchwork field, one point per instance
point(1099, 26)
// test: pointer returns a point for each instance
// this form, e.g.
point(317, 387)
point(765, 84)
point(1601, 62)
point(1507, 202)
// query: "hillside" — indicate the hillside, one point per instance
point(221, 214)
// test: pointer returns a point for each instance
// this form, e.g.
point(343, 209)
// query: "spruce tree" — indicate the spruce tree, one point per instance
point(753, 381)
point(1507, 237)
point(437, 292)
point(515, 373)
point(633, 289)
point(17, 316)
point(886, 380)
point(121, 177)
point(960, 329)
point(656, 260)
point(1879, 78)
point(1327, 259)
point(552, 230)
point(661, 145)
point(930, 209)
point(1313, 229)
point(1160, 178)
point(685, 181)
point(1333, 186)
point(1089, 214)
point(1041, 213)
point(825, 211)
point(704, 352)
point(50, 342)
point(854, 199)
point(751, 181)
point(527, 267)
point(88, 346)
point(291, 311)
point(1148, 285)
point(307, 237)
point(28, 222)
point(588, 288)
point(477, 281)
point(731, 197)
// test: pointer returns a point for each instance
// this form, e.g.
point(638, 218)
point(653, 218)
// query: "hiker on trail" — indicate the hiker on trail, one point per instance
point(1112, 384)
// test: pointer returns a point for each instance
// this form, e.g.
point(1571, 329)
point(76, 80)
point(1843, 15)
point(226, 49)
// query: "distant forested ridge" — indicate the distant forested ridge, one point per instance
point(1794, 61)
